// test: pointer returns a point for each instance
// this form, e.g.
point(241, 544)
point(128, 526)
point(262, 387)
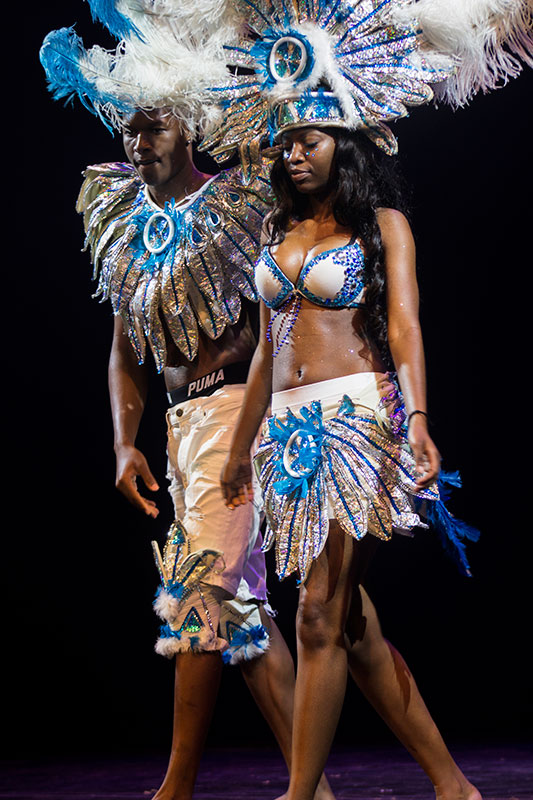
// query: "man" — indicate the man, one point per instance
point(214, 600)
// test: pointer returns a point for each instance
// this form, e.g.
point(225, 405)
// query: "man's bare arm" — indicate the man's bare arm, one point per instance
point(127, 391)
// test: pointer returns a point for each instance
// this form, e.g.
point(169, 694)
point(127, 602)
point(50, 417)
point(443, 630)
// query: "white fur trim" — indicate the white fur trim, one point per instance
point(247, 652)
point(166, 606)
point(169, 646)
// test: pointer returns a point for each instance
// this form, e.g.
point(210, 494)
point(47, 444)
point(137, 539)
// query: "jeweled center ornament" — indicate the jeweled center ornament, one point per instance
point(288, 59)
point(301, 455)
point(158, 232)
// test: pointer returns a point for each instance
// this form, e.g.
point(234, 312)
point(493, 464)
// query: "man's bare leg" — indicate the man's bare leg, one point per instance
point(195, 692)
point(271, 680)
point(385, 680)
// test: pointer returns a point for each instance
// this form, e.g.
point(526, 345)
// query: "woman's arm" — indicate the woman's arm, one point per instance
point(236, 475)
point(405, 336)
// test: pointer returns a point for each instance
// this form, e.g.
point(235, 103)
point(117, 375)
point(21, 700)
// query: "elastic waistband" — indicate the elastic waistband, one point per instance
point(332, 389)
point(208, 384)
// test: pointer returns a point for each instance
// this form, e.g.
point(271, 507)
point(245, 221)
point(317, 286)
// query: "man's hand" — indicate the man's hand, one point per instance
point(236, 480)
point(131, 464)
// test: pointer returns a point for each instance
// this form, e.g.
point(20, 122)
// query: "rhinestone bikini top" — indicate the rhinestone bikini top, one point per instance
point(333, 278)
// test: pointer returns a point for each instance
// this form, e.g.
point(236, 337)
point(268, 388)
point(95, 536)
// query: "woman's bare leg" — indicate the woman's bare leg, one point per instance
point(196, 688)
point(270, 678)
point(384, 678)
point(322, 658)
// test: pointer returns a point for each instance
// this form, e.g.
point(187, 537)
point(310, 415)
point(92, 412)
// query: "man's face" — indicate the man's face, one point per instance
point(155, 145)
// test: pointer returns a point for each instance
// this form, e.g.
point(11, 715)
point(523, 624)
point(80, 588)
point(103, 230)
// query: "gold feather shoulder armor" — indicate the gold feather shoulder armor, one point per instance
point(178, 268)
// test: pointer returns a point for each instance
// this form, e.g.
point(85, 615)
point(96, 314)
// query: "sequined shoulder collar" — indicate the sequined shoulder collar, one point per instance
point(183, 267)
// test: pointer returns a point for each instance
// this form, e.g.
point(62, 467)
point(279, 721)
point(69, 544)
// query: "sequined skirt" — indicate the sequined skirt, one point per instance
point(337, 449)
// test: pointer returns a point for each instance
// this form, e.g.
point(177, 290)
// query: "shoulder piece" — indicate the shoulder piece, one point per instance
point(179, 267)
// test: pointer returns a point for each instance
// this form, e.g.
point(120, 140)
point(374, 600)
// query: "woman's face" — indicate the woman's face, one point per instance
point(308, 155)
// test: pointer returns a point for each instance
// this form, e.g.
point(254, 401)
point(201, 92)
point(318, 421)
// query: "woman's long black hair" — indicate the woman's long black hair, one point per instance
point(362, 180)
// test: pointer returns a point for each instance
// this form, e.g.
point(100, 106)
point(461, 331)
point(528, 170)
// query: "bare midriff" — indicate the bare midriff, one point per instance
point(324, 343)
point(237, 343)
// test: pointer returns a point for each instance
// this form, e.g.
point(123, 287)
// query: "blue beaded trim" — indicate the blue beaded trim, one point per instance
point(286, 286)
point(350, 296)
point(352, 258)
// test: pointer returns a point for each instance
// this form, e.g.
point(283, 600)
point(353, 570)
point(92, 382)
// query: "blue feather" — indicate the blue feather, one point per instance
point(254, 635)
point(105, 11)
point(176, 589)
point(452, 531)
point(241, 638)
point(447, 479)
point(166, 632)
point(61, 55)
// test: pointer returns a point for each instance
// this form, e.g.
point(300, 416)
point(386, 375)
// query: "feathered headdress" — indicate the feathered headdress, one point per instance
point(362, 63)
point(488, 39)
point(168, 54)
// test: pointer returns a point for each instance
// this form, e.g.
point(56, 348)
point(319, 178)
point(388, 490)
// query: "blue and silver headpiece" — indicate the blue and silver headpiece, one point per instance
point(355, 63)
point(358, 63)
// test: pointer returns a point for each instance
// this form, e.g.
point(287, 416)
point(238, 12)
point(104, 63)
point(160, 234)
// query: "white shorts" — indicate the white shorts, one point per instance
point(214, 576)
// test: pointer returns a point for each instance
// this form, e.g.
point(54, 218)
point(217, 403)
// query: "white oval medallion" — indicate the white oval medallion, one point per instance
point(164, 239)
point(288, 58)
point(305, 442)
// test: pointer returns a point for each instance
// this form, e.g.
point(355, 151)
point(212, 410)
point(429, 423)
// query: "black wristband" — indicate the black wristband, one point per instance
point(412, 414)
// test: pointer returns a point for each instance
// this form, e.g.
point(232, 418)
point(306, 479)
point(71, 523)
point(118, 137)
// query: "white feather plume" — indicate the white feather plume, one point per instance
point(489, 39)
point(180, 54)
point(194, 14)
point(323, 48)
point(177, 54)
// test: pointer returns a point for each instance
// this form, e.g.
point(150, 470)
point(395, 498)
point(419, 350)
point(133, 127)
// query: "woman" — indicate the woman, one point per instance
point(340, 305)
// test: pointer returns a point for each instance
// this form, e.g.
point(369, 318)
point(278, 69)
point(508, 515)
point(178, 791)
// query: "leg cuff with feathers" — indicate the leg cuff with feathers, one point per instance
point(241, 625)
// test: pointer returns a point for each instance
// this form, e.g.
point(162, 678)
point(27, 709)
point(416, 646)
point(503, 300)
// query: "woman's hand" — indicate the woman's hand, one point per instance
point(426, 455)
point(236, 480)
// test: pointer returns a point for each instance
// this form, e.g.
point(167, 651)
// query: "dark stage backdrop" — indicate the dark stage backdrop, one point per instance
point(82, 674)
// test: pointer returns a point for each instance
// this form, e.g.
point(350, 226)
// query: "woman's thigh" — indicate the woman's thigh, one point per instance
point(331, 591)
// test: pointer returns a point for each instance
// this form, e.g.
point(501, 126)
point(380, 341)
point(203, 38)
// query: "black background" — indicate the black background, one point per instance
point(81, 672)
